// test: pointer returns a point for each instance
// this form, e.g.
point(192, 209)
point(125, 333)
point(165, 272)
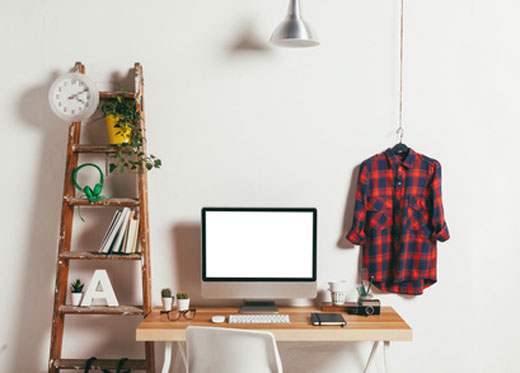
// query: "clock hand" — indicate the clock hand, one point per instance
point(80, 100)
point(77, 94)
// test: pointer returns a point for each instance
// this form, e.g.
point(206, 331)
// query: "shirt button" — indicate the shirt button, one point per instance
point(399, 183)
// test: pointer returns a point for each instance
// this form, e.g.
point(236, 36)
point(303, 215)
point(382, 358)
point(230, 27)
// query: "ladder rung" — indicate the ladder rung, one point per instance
point(80, 148)
point(102, 310)
point(104, 202)
point(94, 255)
point(116, 94)
point(78, 364)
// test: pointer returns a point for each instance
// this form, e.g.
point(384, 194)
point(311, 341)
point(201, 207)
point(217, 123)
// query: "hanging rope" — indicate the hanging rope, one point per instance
point(400, 128)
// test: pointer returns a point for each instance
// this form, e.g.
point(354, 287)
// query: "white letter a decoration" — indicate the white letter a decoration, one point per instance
point(107, 292)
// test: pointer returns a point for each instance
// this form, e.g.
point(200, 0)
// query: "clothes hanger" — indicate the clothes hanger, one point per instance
point(400, 148)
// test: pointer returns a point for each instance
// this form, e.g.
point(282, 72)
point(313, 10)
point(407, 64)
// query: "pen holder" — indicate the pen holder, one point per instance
point(338, 290)
point(338, 297)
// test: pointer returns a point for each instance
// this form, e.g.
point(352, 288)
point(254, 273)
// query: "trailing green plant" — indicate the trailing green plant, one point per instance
point(129, 154)
point(182, 295)
point(166, 293)
point(76, 287)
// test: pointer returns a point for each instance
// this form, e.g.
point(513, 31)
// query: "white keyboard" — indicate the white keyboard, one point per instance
point(259, 319)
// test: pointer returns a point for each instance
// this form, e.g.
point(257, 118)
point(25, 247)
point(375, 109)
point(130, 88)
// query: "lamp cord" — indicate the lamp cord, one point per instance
point(400, 128)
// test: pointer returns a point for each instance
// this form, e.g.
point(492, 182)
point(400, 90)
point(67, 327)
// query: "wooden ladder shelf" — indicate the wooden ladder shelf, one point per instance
point(65, 254)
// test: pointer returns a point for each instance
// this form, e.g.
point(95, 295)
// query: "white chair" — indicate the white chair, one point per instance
point(224, 350)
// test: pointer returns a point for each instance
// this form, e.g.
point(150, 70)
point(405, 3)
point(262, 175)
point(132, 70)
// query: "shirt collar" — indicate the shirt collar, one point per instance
point(394, 159)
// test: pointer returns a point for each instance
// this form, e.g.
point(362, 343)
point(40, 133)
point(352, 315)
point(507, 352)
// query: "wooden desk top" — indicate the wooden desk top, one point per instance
point(388, 326)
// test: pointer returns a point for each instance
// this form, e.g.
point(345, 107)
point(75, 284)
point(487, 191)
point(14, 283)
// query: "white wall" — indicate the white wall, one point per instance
point(237, 122)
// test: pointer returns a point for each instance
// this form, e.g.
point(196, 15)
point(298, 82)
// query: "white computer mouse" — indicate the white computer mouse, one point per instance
point(218, 319)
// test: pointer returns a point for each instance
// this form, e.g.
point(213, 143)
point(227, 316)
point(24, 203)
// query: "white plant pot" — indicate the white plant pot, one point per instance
point(183, 304)
point(167, 303)
point(76, 298)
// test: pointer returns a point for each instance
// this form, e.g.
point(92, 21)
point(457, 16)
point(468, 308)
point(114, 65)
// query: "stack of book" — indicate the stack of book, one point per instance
point(122, 234)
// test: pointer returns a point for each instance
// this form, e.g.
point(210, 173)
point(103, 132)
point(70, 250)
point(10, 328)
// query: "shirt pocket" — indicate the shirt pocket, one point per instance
point(417, 214)
point(379, 214)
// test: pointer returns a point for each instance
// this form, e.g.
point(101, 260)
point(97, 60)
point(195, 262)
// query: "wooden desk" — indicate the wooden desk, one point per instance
point(388, 326)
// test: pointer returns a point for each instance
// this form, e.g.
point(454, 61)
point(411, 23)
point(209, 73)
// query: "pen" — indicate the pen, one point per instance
point(370, 284)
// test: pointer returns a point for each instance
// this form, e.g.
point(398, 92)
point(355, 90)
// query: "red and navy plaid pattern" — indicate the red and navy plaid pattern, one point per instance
point(398, 218)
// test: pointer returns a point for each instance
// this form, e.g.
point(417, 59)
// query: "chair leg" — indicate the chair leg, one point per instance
point(167, 357)
point(371, 356)
point(182, 351)
point(180, 365)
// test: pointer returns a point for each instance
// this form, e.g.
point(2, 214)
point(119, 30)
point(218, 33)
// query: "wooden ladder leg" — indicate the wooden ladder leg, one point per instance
point(58, 319)
point(150, 357)
point(62, 268)
point(56, 341)
point(144, 228)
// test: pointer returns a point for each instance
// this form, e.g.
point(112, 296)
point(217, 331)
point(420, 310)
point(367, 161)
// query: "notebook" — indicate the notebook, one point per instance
point(320, 319)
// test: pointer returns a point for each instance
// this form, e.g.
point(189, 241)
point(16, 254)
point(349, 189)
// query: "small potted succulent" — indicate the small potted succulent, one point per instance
point(183, 301)
point(167, 299)
point(76, 290)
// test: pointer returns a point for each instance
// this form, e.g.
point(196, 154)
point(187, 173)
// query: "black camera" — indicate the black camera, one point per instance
point(365, 307)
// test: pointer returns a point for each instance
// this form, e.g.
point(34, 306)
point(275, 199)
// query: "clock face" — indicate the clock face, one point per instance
point(73, 97)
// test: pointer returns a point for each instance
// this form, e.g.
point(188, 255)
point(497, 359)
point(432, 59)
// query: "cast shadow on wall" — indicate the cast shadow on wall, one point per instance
point(343, 243)
point(247, 41)
point(186, 240)
point(33, 321)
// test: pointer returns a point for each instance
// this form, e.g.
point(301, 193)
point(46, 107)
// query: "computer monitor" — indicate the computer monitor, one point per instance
point(259, 254)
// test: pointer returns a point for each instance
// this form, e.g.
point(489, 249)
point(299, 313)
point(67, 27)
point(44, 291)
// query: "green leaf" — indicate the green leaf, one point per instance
point(112, 167)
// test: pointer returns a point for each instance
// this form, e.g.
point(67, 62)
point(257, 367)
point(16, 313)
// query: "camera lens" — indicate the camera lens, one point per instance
point(369, 310)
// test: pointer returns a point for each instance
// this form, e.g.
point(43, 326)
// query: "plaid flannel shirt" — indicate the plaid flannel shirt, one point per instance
point(398, 218)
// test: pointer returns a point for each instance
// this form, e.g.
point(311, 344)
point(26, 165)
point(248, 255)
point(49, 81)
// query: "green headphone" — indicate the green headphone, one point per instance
point(92, 195)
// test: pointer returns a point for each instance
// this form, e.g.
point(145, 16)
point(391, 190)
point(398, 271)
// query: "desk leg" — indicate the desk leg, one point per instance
point(371, 356)
point(386, 353)
point(167, 357)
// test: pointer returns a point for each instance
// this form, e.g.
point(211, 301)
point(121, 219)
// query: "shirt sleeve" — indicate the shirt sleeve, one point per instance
point(356, 234)
point(440, 229)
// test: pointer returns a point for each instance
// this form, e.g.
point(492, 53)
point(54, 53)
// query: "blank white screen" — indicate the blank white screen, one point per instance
point(263, 244)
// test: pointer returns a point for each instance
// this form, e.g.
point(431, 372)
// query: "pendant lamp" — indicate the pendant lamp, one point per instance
point(294, 31)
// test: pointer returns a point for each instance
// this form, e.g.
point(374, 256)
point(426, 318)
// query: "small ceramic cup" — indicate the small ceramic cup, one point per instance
point(338, 290)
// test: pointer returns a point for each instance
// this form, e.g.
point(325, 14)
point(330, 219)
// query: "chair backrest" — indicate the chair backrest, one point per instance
point(224, 350)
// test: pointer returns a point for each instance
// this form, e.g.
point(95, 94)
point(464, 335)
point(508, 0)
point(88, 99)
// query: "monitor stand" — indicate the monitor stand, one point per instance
point(250, 306)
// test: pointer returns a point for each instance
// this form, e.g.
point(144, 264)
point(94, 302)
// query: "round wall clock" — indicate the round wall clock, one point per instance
point(73, 97)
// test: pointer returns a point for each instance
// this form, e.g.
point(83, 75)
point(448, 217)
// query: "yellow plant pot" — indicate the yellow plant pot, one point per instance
point(117, 135)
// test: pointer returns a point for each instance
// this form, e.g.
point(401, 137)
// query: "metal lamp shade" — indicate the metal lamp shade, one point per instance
point(294, 31)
